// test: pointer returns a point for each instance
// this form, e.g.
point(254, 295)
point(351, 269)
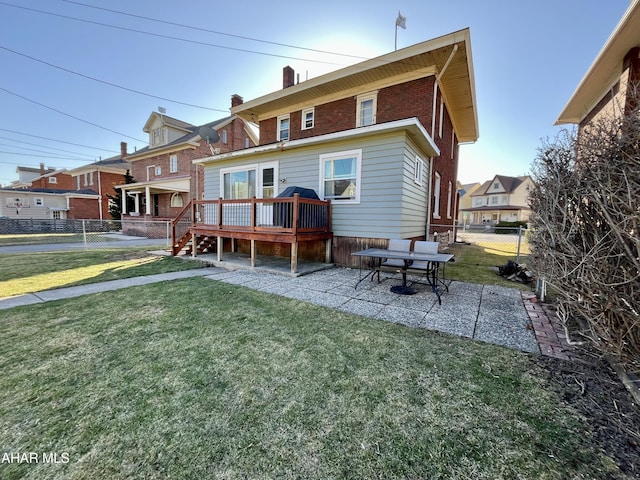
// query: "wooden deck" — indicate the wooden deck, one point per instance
point(203, 223)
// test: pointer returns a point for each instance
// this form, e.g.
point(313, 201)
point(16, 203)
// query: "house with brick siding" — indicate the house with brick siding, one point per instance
point(379, 139)
point(36, 203)
point(102, 176)
point(42, 177)
point(609, 88)
point(166, 177)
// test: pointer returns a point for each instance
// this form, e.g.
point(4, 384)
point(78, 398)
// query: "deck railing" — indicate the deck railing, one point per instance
point(293, 215)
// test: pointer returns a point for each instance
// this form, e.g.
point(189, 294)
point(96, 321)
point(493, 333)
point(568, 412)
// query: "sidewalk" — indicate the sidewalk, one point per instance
point(487, 313)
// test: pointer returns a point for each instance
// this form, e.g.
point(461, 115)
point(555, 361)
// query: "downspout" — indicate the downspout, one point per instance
point(433, 130)
point(100, 193)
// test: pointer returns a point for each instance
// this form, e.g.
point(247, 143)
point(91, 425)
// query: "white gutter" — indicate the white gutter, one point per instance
point(433, 130)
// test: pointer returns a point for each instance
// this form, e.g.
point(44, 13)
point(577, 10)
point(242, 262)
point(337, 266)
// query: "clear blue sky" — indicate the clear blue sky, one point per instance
point(528, 59)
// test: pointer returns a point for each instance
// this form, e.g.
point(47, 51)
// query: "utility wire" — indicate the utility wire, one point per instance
point(54, 156)
point(40, 156)
point(58, 141)
point(42, 146)
point(200, 29)
point(108, 83)
point(166, 36)
point(69, 115)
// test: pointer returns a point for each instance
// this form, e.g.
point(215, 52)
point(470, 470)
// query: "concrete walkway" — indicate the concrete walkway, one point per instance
point(487, 313)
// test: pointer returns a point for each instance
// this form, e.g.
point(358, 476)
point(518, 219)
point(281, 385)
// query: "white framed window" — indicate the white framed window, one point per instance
point(449, 199)
point(39, 202)
point(53, 180)
point(283, 128)
point(307, 118)
point(158, 171)
point(418, 171)
point(90, 178)
point(238, 182)
point(158, 136)
point(224, 137)
point(436, 196)
point(477, 202)
point(177, 200)
point(173, 163)
point(340, 176)
point(366, 109)
point(246, 143)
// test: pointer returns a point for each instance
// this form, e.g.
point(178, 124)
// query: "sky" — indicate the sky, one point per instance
point(79, 77)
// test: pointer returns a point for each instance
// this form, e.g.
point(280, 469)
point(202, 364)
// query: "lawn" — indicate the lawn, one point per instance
point(50, 238)
point(477, 264)
point(196, 379)
point(32, 272)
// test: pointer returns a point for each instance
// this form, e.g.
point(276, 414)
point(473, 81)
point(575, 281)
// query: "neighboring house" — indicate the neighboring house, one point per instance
point(102, 177)
point(379, 139)
point(502, 199)
point(47, 203)
point(166, 178)
point(607, 89)
point(465, 191)
point(28, 177)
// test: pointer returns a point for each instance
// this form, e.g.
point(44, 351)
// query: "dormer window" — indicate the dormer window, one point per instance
point(158, 136)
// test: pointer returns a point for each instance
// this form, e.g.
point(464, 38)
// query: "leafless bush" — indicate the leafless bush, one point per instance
point(586, 242)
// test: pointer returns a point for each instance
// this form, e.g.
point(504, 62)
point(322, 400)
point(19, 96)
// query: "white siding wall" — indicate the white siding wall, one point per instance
point(32, 211)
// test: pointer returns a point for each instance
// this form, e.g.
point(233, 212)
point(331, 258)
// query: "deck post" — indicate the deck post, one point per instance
point(219, 248)
point(253, 253)
point(327, 252)
point(294, 257)
point(194, 245)
point(296, 213)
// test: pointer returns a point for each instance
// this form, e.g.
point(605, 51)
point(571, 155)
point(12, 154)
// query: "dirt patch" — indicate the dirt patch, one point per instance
point(592, 387)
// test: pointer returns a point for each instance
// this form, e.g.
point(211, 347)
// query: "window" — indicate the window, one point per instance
point(57, 215)
point(307, 118)
point(39, 202)
point(246, 143)
point(494, 199)
point(283, 128)
point(449, 198)
point(418, 171)
point(158, 171)
point(158, 136)
point(496, 186)
point(177, 200)
point(340, 176)
point(173, 163)
point(366, 109)
point(53, 180)
point(239, 184)
point(436, 197)
point(90, 178)
point(224, 137)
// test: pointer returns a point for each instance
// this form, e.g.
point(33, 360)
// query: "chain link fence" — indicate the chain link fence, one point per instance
point(511, 242)
point(85, 234)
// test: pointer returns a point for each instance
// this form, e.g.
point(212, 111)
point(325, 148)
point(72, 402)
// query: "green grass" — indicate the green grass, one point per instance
point(32, 272)
point(49, 238)
point(473, 263)
point(196, 379)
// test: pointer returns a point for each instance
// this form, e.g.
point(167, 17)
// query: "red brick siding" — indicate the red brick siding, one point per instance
point(64, 181)
point(83, 208)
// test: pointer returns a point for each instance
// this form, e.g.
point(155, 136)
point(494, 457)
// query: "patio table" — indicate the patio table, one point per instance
point(433, 259)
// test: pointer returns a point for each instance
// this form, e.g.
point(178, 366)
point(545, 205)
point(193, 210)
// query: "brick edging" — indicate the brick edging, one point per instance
point(549, 334)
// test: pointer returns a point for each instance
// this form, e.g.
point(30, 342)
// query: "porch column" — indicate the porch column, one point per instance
point(219, 248)
point(137, 203)
point(123, 201)
point(147, 196)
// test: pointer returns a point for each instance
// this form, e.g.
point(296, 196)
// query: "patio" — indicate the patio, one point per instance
point(487, 313)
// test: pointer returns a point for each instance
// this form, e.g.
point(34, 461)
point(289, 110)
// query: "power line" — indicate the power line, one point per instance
point(68, 114)
point(200, 29)
point(37, 145)
point(58, 141)
point(108, 83)
point(40, 156)
point(53, 155)
point(166, 36)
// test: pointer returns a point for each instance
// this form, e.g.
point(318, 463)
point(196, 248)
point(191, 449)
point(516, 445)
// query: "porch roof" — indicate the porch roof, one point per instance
point(180, 184)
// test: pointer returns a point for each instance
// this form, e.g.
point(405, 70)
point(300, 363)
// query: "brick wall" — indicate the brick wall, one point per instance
point(83, 208)
point(64, 181)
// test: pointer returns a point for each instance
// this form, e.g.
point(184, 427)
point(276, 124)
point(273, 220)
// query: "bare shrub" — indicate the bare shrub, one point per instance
point(586, 239)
